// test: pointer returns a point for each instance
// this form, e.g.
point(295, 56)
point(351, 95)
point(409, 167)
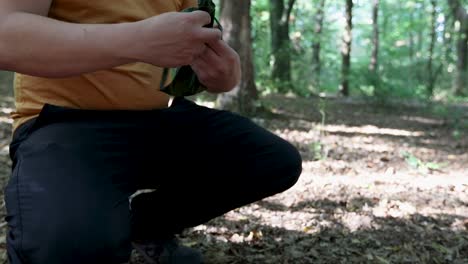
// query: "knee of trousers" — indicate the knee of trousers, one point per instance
point(284, 168)
point(292, 166)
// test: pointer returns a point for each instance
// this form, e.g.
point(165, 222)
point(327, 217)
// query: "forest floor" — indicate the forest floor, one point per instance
point(381, 183)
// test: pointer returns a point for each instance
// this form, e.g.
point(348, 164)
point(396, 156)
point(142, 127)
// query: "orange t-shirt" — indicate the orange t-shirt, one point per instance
point(132, 86)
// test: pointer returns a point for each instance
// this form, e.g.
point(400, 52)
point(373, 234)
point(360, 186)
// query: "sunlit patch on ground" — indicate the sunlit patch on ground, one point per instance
point(206, 103)
point(6, 120)
point(370, 130)
point(424, 120)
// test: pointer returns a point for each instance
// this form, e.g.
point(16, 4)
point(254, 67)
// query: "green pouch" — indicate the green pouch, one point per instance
point(185, 82)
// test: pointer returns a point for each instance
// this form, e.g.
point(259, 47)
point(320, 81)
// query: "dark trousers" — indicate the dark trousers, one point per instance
point(74, 171)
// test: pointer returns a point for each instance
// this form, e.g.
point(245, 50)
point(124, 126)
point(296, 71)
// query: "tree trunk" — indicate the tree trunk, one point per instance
point(411, 36)
point(448, 37)
point(280, 42)
point(461, 83)
point(346, 49)
point(374, 63)
point(421, 17)
point(461, 80)
point(317, 43)
point(430, 71)
point(385, 20)
point(236, 20)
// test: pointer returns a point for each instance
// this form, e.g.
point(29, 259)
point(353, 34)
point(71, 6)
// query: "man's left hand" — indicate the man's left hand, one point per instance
point(218, 67)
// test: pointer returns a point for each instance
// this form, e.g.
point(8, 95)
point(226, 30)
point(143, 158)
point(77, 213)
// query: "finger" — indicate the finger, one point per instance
point(201, 50)
point(200, 18)
point(210, 57)
point(199, 67)
point(202, 54)
point(208, 35)
point(220, 47)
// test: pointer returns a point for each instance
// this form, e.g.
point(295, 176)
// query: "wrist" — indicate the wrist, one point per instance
point(129, 40)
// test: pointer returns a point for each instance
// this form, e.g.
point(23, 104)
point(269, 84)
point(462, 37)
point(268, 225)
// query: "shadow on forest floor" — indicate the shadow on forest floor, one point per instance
point(404, 115)
point(351, 126)
point(323, 220)
point(361, 239)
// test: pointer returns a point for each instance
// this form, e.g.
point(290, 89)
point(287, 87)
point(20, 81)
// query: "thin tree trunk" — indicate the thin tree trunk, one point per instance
point(461, 86)
point(461, 15)
point(346, 49)
point(421, 37)
point(385, 19)
point(448, 37)
point(317, 44)
point(374, 63)
point(411, 37)
point(430, 71)
point(236, 20)
point(280, 42)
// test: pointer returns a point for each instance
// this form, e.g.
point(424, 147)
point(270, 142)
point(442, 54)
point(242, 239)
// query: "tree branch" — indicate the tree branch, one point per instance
point(458, 11)
point(289, 8)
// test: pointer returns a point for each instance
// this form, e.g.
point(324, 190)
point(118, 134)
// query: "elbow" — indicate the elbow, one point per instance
point(6, 62)
point(3, 56)
point(3, 62)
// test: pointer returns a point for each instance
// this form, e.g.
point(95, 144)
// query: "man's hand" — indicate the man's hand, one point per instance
point(173, 39)
point(218, 67)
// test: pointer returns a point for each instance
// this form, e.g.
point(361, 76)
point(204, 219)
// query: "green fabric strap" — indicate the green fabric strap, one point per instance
point(186, 82)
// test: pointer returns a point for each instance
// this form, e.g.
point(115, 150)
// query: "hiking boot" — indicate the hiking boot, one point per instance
point(167, 251)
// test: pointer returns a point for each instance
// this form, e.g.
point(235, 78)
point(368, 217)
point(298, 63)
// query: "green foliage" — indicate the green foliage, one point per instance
point(404, 29)
point(453, 117)
point(261, 45)
point(423, 167)
point(318, 151)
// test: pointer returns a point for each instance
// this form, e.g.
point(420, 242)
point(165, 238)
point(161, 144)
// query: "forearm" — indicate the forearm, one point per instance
point(41, 46)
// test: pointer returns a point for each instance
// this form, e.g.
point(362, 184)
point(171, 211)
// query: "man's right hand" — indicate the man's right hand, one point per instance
point(172, 39)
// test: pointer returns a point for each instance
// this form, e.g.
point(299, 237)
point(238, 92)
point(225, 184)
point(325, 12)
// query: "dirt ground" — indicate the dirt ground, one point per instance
point(381, 183)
